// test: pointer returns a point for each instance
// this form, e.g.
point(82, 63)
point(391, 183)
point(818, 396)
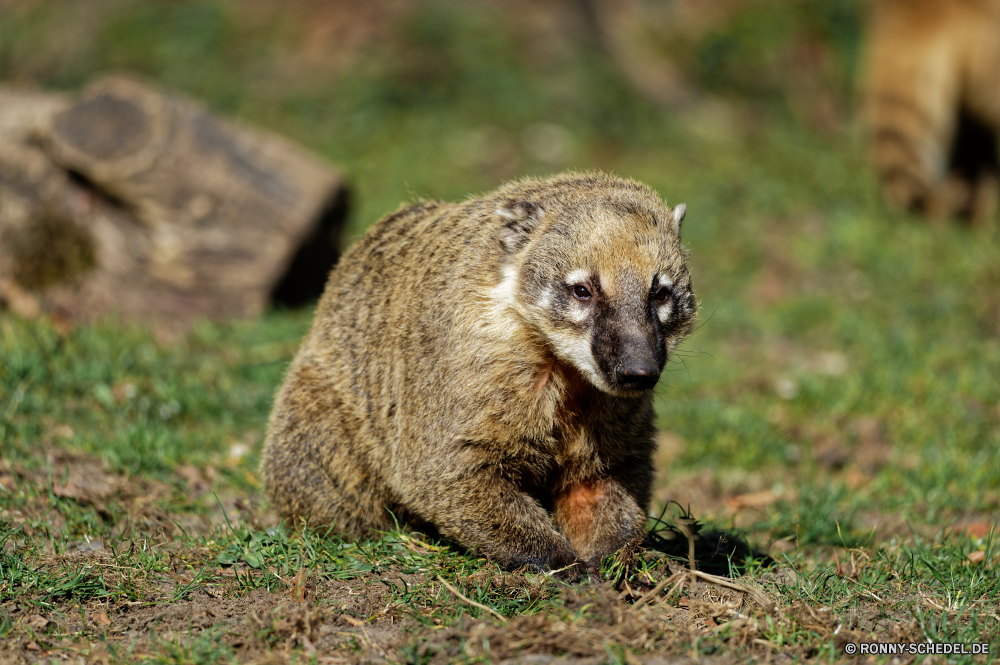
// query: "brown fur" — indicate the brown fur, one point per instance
point(932, 104)
point(446, 376)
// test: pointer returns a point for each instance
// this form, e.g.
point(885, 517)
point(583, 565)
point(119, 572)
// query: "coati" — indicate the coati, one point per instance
point(486, 368)
point(932, 105)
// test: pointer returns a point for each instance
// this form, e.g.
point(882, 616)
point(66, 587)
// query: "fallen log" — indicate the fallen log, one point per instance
point(137, 202)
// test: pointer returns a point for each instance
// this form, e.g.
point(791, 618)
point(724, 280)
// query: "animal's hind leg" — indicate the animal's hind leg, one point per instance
point(349, 500)
point(312, 466)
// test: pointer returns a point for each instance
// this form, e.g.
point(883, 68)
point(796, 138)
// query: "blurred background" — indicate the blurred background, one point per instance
point(845, 369)
point(442, 99)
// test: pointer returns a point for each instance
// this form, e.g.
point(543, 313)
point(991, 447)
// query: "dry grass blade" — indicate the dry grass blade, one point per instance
point(656, 590)
point(466, 599)
point(418, 546)
point(684, 575)
point(761, 599)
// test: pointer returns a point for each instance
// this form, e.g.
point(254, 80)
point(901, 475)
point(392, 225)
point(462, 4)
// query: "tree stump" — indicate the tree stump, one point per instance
point(132, 201)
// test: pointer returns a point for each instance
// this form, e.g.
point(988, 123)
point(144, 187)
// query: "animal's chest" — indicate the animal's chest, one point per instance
point(568, 457)
point(555, 431)
point(559, 446)
point(575, 417)
point(572, 444)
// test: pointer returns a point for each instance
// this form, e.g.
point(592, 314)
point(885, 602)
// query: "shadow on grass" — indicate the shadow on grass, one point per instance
point(715, 551)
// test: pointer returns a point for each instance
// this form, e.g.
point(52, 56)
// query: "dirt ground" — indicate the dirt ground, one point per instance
point(194, 609)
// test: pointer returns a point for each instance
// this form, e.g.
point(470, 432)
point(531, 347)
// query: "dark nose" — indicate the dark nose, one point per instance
point(637, 373)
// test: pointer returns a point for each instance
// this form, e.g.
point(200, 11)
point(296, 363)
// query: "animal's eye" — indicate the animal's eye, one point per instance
point(581, 292)
point(662, 295)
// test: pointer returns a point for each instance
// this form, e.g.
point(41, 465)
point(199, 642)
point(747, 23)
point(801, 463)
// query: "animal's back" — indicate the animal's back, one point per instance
point(354, 364)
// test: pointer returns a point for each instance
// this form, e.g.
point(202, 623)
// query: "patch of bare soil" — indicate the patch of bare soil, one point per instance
point(367, 620)
point(85, 481)
point(175, 611)
point(134, 504)
point(345, 621)
point(192, 609)
point(257, 625)
point(358, 621)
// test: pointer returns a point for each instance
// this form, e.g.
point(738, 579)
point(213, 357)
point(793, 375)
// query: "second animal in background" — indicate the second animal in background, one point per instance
point(932, 105)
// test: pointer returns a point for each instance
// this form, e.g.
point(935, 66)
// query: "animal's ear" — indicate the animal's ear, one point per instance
point(519, 219)
point(677, 216)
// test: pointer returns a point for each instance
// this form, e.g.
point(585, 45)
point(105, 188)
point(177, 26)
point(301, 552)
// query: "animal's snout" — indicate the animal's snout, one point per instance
point(638, 372)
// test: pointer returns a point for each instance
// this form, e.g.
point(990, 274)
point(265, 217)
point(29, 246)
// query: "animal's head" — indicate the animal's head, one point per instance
point(595, 264)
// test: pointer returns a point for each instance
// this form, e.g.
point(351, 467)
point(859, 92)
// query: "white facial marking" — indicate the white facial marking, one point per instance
point(577, 311)
point(577, 277)
point(506, 213)
point(687, 302)
point(577, 353)
point(664, 311)
point(545, 301)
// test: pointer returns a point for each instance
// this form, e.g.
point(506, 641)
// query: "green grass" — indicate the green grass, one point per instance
point(143, 407)
point(828, 324)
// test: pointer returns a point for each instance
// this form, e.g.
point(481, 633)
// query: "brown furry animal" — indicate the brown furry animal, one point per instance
point(932, 105)
point(487, 368)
